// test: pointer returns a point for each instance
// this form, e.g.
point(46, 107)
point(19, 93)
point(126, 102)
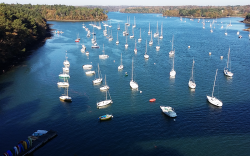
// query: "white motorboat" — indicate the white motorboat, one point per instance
point(172, 52)
point(227, 71)
point(99, 79)
point(151, 41)
point(120, 66)
point(169, 111)
point(90, 72)
point(87, 66)
point(66, 97)
point(146, 56)
point(105, 87)
point(213, 100)
point(103, 56)
point(173, 72)
point(191, 82)
point(105, 102)
point(139, 39)
point(133, 84)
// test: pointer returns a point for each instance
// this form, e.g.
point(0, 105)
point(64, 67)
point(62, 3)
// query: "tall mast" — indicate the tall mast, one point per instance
point(149, 27)
point(173, 63)
point(117, 35)
point(228, 57)
point(146, 46)
point(140, 32)
point(121, 58)
point(135, 44)
point(132, 69)
point(192, 69)
point(173, 43)
point(214, 82)
point(157, 28)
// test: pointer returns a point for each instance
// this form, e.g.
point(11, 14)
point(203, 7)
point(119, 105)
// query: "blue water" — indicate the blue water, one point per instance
point(29, 96)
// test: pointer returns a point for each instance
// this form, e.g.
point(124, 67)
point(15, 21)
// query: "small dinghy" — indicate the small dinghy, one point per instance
point(106, 117)
point(152, 100)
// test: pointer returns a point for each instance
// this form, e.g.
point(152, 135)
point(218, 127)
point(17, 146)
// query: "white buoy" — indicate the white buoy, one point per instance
point(140, 91)
point(114, 60)
point(221, 57)
point(210, 53)
point(188, 46)
point(154, 63)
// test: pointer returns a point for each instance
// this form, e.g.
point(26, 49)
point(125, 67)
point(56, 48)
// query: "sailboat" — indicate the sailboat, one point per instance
point(213, 100)
point(118, 26)
point(151, 41)
point(63, 84)
point(120, 67)
point(158, 46)
point(149, 29)
point(111, 37)
point(65, 97)
point(105, 102)
point(110, 24)
point(126, 45)
point(117, 42)
point(105, 87)
point(172, 51)
point(173, 72)
point(230, 24)
point(132, 36)
point(146, 56)
point(135, 50)
point(66, 62)
point(103, 56)
point(226, 31)
point(157, 33)
point(228, 72)
point(139, 39)
point(77, 38)
point(133, 84)
point(161, 37)
point(134, 23)
point(98, 80)
point(191, 82)
point(64, 75)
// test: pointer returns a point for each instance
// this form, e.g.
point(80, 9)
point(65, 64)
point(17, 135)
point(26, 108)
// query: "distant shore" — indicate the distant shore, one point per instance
point(75, 20)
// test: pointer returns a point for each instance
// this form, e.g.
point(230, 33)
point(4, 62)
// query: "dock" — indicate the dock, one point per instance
point(40, 141)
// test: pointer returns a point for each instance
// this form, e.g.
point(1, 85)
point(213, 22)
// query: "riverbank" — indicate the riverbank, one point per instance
point(76, 20)
point(16, 61)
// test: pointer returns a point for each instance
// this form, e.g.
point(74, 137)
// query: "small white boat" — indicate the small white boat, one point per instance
point(111, 37)
point(132, 83)
point(64, 75)
point(120, 67)
point(238, 32)
point(134, 23)
point(227, 71)
point(169, 111)
point(103, 56)
point(95, 46)
point(87, 53)
point(132, 36)
point(106, 117)
point(105, 102)
point(99, 79)
point(62, 84)
point(65, 97)
point(87, 66)
point(213, 100)
point(65, 69)
point(173, 72)
point(66, 62)
point(172, 52)
point(191, 82)
point(239, 36)
point(90, 72)
point(105, 87)
point(118, 26)
point(146, 56)
point(151, 41)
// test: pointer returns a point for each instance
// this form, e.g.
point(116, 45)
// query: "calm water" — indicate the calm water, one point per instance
point(29, 96)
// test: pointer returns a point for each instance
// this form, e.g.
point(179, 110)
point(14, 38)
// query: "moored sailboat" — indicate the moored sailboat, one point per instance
point(227, 71)
point(191, 82)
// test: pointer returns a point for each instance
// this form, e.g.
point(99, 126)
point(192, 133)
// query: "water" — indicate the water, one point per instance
point(29, 96)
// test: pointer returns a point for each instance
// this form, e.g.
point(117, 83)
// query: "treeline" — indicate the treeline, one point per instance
point(20, 27)
point(143, 10)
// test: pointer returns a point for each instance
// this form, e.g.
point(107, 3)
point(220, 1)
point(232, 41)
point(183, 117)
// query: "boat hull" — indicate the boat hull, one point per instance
point(106, 117)
point(133, 85)
point(104, 103)
point(214, 101)
point(168, 111)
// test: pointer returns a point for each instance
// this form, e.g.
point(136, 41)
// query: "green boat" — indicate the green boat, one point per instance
point(126, 74)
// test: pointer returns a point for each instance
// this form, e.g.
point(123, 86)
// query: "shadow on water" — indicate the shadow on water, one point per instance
point(4, 85)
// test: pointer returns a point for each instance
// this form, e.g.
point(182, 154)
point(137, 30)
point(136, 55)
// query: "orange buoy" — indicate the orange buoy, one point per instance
point(152, 100)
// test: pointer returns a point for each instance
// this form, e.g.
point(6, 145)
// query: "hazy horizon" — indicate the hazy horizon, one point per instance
point(130, 2)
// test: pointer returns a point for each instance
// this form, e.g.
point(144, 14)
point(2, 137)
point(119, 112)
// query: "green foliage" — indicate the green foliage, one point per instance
point(248, 16)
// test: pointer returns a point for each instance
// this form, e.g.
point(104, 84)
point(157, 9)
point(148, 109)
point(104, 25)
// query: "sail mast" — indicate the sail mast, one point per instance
point(228, 57)
point(214, 82)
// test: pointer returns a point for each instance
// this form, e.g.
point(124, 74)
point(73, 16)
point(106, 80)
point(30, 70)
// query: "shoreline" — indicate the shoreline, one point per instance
point(75, 20)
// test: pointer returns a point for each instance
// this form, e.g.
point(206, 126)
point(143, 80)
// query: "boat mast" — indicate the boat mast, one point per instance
point(117, 35)
point(214, 82)
point(103, 50)
point(161, 29)
point(132, 70)
point(151, 36)
point(173, 63)
point(105, 80)
point(140, 32)
point(192, 70)
point(135, 44)
point(149, 27)
point(157, 28)
point(98, 71)
point(121, 58)
point(172, 42)
point(146, 46)
point(228, 57)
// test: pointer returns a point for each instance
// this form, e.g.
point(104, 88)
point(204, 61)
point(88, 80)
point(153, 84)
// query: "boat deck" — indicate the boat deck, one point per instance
point(39, 142)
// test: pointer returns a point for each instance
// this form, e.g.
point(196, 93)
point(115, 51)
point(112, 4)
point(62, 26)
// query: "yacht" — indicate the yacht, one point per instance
point(133, 84)
point(151, 41)
point(120, 67)
point(146, 56)
point(172, 52)
point(191, 82)
point(99, 79)
point(105, 102)
point(105, 87)
point(87, 66)
point(103, 56)
point(227, 71)
point(169, 111)
point(66, 97)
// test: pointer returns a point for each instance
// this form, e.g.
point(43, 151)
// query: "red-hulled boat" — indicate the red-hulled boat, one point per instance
point(152, 100)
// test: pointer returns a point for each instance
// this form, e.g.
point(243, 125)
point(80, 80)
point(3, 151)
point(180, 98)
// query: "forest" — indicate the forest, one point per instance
point(22, 27)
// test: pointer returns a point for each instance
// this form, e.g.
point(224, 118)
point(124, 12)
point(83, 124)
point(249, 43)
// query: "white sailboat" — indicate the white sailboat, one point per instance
point(172, 51)
point(118, 26)
point(161, 37)
point(135, 50)
point(134, 23)
point(126, 45)
point(139, 39)
point(90, 72)
point(132, 36)
point(66, 62)
point(151, 41)
point(158, 46)
point(105, 87)
point(149, 29)
point(168, 111)
point(103, 56)
point(157, 33)
point(213, 100)
point(66, 97)
point(191, 82)
point(133, 84)
point(173, 72)
point(120, 67)
point(146, 56)
point(117, 42)
point(226, 31)
point(63, 84)
point(64, 75)
point(99, 79)
point(227, 71)
point(105, 102)
point(111, 37)
point(87, 66)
